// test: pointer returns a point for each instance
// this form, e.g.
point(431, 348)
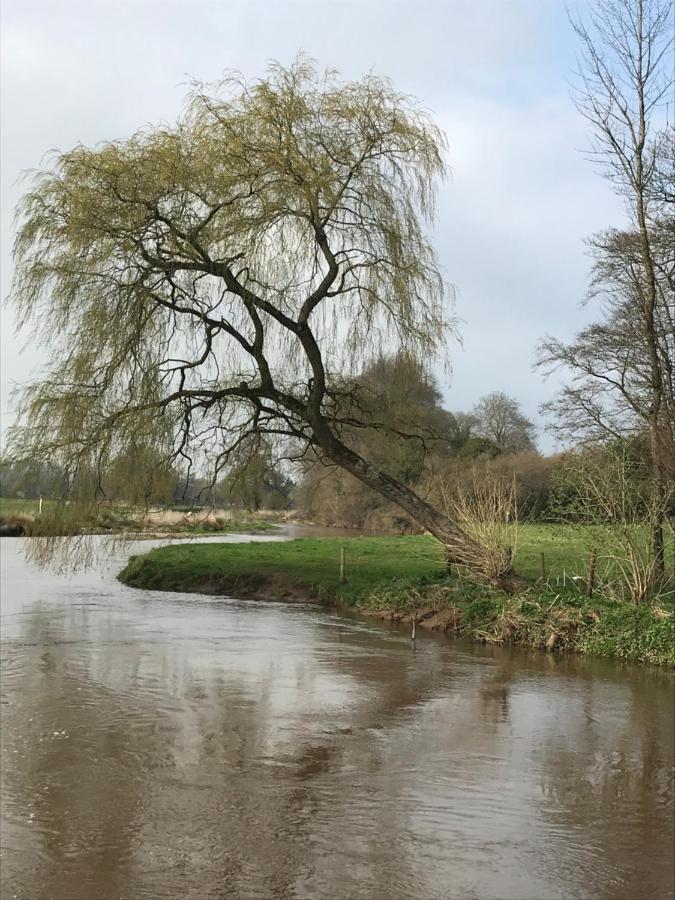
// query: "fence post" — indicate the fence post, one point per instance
point(591, 574)
point(343, 577)
point(543, 567)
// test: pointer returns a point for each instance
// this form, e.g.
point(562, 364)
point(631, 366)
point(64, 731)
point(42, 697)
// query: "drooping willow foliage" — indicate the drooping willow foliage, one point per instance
point(170, 275)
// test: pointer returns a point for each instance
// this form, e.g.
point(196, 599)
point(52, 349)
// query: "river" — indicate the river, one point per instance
point(176, 746)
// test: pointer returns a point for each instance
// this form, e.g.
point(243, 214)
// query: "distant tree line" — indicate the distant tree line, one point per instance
point(425, 446)
point(258, 485)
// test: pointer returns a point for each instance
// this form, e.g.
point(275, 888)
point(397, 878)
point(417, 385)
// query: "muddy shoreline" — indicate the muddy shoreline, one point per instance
point(531, 624)
point(277, 589)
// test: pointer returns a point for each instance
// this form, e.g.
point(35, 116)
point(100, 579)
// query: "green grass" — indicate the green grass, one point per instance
point(398, 574)
point(10, 507)
point(567, 550)
point(371, 562)
point(313, 565)
point(24, 514)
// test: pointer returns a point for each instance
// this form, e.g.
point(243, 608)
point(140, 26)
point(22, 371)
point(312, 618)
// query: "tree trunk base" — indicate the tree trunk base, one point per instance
point(511, 583)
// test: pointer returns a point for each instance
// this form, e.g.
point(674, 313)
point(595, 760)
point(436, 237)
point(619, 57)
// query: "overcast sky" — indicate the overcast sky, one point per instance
point(495, 74)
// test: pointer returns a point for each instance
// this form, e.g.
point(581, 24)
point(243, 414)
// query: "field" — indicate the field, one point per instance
point(10, 507)
point(372, 561)
point(115, 517)
point(396, 577)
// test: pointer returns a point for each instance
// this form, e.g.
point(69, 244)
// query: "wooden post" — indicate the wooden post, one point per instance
point(40, 506)
point(414, 624)
point(343, 577)
point(591, 574)
point(543, 567)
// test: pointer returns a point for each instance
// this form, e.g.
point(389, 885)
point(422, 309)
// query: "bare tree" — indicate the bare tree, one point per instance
point(499, 419)
point(610, 395)
point(226, 277)
point(624, 83)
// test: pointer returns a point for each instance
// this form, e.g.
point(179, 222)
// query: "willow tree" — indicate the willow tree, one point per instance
point(217, 281)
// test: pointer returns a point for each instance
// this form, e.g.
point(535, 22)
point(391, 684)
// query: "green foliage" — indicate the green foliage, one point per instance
point(481, 610)
point(476, 447)
point(602, 484)
point(254, 480)
point(25, 479)
point(632, 633)
point(139, 475)
point(608, 488)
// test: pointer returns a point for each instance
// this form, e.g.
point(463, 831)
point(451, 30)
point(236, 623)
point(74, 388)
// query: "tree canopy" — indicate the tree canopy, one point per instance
point(498, 418)
point(610, 395)
point(267, 241)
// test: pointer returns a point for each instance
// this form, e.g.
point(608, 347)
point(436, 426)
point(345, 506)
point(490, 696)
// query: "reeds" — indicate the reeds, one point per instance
point(487, 512)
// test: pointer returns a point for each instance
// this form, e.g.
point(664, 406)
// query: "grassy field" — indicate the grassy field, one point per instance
point(313, 565)
point(394, 576)
point(29, 508)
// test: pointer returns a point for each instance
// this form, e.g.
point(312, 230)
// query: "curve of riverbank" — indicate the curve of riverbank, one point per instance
point(401, 579)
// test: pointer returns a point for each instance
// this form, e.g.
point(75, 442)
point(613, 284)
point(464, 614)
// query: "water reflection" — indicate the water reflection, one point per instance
point(161, 746)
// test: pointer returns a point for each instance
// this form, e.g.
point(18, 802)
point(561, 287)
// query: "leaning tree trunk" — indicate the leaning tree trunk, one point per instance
point(460, 547)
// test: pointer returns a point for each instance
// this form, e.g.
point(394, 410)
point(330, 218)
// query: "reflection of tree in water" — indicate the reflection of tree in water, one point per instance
point(281, 802)
point(608, 782)
point(130, 788)
point(302, 775)
point(495, 689)
point(321, 808)
point(75, 753)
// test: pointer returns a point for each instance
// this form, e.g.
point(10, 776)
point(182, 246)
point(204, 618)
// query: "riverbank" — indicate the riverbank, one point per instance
point(23, 518)
point(398, 579)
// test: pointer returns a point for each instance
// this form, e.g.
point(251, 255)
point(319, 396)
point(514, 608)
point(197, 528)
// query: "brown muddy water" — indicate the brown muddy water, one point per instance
point(172, 746)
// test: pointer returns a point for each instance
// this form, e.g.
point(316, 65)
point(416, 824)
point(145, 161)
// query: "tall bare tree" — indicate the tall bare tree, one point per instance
point(226, 277)
point(610, 395)
point(624, 85)
point(500, 419)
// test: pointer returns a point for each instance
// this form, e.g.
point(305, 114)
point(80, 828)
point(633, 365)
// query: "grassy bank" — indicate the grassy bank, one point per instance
point(113, 518)
point(396, 578)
